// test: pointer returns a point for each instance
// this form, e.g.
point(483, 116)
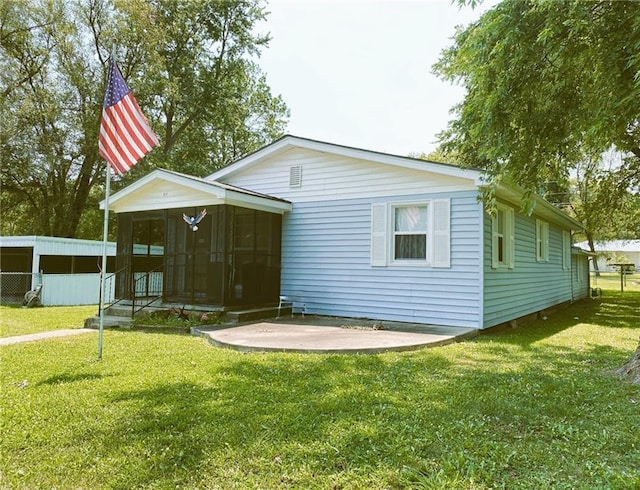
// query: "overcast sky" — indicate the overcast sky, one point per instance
point(358, 72)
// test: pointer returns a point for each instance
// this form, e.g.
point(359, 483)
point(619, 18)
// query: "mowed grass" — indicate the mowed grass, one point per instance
point(15, 320)
point(528, 408)
point(611, 280)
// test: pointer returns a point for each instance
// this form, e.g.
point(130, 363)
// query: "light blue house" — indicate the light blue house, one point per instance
point(354, 233)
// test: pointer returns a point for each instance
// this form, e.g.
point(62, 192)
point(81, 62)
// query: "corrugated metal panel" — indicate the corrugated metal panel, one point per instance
point(73, 289)
point(45, 245)
point(530, 286)
point(326, 266)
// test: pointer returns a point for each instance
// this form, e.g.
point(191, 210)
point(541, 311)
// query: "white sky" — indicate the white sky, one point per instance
point(358, 72)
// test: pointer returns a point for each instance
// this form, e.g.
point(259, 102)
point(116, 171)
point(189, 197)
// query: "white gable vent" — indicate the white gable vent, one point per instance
point(295, 176)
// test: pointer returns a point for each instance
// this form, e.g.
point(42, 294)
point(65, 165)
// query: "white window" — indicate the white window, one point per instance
point(542, 241)
point(411, 233)
point(502, 238)
point(566, 250)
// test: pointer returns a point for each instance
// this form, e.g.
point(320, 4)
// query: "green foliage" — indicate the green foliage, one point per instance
point(529, 408)
point(189, 64)
point(180, 318)
point(547, 83)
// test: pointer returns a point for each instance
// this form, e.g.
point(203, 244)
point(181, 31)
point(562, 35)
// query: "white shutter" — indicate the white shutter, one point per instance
point(442, 233)
point(494, 242)
point(511, 240)
point(379, 234)
point(566, 250)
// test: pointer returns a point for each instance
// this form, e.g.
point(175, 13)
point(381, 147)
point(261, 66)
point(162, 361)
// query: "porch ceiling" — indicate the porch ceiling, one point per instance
point(163, 189)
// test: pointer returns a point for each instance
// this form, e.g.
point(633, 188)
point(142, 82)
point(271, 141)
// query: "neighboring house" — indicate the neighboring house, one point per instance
point(67, 268)
point(351, 233)
point(615, 251)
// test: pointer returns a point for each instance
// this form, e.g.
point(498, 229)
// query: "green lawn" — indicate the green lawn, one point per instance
point(611, 280)
point(23, 321)
point(531, 408)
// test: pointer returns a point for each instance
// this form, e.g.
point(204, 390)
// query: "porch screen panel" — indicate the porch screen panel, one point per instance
point(254, 244)
point(194, 260)
point(148, 233)
point(123, 256)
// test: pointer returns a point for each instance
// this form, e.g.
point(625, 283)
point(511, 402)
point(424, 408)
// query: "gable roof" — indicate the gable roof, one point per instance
point(166, 189)
point(510, 192)
point(288, 142)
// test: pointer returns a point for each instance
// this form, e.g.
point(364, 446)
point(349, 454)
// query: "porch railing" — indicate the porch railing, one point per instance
point(146, 287)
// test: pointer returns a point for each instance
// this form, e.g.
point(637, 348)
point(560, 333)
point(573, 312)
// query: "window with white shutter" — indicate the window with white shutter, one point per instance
point(411, 233)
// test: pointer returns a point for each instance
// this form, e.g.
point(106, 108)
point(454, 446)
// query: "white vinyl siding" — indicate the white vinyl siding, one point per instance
point(531, 286)
point(331, 177)
point(326, 263)
point(503, 238)
point(411, 233)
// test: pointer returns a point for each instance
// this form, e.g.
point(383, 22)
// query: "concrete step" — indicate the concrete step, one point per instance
point(109, 321)
point(257, 314)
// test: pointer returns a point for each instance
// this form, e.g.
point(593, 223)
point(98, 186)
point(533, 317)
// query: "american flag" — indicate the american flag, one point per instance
point(125, 134)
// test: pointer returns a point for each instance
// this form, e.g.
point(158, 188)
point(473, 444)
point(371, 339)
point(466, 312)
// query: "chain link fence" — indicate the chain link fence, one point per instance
point(14, 285)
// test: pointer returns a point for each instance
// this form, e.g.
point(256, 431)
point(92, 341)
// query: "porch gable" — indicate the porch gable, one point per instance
point(164, 189)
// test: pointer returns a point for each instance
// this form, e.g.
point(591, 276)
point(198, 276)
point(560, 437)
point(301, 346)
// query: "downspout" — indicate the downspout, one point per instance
point(573, 297)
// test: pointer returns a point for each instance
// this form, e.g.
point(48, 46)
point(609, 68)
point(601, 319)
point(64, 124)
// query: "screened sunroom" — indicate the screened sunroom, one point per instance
point(230, 258)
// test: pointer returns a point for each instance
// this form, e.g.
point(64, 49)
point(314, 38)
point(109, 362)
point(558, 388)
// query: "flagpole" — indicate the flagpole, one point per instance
point(122, 142)
point(103, 270)
point(105, 236)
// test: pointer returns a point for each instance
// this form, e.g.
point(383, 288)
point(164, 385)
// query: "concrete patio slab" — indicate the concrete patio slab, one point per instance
point(330, 335)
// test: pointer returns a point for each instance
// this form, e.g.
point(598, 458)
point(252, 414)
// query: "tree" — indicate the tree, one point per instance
point(631, 370)
point(547, 83)
point(189, 64)
point(595, 199)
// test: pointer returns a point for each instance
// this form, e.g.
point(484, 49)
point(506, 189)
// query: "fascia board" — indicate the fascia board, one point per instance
point(209, 194)
point(160, 175)
point(258, 203)
point(280, 145)
point(514, 194)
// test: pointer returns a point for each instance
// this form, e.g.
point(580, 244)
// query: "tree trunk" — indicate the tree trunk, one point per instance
point(593, 250)
point(631, 370)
